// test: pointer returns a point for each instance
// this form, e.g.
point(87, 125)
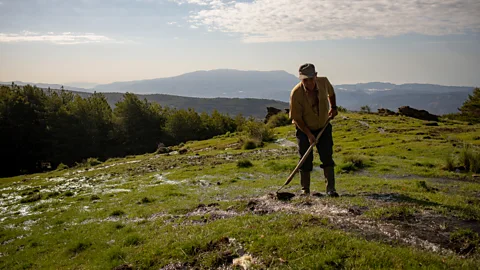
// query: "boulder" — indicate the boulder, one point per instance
point(419, 114)
point(385, 112)
point(271, 111)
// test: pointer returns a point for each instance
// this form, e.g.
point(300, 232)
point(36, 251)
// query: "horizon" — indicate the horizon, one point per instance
point(92, 42)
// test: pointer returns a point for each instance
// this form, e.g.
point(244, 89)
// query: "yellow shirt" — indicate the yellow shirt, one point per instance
point(302, 107)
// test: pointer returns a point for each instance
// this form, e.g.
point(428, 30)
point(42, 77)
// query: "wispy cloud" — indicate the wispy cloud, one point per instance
point(65, 38)
point(301, 20)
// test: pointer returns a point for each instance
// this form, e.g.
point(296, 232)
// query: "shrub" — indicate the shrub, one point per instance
point(258, 131)
point(279, 120)
point(342, 109)
point(93, 162)
point(61, 166)
point(365, 109)
point(244, 163)
point(250, 144)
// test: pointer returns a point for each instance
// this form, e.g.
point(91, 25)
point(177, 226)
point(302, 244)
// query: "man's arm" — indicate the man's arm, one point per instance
point(332, 99)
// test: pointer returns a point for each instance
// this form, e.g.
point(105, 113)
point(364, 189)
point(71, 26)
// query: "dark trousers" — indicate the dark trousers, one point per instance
point(324, 148)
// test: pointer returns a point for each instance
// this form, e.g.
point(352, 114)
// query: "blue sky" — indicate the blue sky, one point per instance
point(101, 41)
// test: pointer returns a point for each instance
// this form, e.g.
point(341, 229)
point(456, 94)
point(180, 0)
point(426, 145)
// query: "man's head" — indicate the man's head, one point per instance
point(308, 75)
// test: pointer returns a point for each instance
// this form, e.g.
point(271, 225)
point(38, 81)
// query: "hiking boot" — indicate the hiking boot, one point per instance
point(305, 192)
point(305, 182)
point(329, 174)
point(333, 194)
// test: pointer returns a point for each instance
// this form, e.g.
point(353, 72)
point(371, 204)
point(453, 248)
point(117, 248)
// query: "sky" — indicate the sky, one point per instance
point(101, 41)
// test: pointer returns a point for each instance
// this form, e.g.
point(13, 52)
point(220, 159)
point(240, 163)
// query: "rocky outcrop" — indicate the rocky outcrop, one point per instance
point(385, 112)
point(419, 114)
point(271, 111)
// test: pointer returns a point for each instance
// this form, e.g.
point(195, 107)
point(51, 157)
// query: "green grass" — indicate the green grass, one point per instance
point(152, 210)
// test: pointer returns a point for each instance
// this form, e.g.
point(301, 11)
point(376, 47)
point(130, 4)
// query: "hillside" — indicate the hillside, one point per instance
point(233, 106)
point(399, 208)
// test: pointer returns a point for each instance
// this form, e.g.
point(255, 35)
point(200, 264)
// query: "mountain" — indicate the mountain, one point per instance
point(214, 83)
point(48, 85)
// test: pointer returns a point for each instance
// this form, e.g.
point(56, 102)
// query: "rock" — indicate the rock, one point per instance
point(271, 111)
point(418, 114)
point(385, 112)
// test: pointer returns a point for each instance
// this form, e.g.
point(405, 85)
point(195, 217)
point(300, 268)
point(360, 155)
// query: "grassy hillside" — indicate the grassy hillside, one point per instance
point(400, 208)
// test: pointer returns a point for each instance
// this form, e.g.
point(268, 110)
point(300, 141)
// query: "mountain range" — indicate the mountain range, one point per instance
point(276, 85)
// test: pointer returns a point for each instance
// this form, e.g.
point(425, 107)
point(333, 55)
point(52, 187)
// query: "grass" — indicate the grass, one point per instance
point(244, 163)
point(206, 210)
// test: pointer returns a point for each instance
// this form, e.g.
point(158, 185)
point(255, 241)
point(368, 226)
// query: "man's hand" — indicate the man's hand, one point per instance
point(311, 138)
point(332, 113)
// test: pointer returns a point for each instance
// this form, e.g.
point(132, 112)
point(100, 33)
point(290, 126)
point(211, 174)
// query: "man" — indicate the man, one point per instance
point(309, 111)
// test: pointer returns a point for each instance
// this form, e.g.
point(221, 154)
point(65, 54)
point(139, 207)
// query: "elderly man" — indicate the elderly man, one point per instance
point(312, 102)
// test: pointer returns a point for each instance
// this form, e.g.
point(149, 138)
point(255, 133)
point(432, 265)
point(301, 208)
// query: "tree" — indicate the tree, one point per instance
point(365, 109)
point(470, 109)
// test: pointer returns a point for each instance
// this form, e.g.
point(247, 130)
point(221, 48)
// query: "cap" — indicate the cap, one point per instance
point(306, 71)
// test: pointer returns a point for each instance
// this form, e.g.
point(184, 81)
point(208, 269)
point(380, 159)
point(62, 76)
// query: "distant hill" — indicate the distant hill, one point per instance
point(276, 85)
point(233, 106)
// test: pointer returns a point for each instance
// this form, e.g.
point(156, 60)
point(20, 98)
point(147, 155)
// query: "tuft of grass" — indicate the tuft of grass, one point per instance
point(244, 163)
point(146, 200)
point(69, 193)
point(94, 197)
point(133, 240)
point(250, 144)
point(470, 159)
point(78, 247)
point(116, 254)
point(398, 212)
point(61, 166)
point(93, 162)
point(32, 198)
point(352, 162)
point(449, 163)
point(119, 226)
point(465, 241)
point(117, 213)
point(53, 194)
point(423, 186)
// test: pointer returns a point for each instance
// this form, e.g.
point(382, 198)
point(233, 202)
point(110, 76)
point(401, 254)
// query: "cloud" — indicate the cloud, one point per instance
point(303, 20)
point(65, 38)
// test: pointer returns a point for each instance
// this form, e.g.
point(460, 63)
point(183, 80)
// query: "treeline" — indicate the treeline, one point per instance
point(41, 129)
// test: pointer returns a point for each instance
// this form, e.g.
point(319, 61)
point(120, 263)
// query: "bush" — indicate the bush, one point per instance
point(365, 109)
point(258, 131)
point(250, 144)
point(61, 166)
point(93, 162)
point(279, 120)
point(244, 163)
point(342, 109)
